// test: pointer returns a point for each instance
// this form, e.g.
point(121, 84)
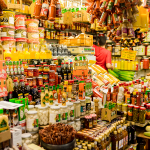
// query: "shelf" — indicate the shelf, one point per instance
point(17, 13)
point(52, 40)
point(141, 135)
point(141, 125)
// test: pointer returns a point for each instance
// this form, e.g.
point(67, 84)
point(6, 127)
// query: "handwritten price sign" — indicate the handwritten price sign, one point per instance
point(128, 54)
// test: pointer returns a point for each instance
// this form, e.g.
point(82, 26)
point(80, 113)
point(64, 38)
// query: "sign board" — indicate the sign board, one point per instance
point(128, 54)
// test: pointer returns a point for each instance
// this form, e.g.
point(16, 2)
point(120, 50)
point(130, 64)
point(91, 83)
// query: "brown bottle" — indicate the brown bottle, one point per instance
point(58, 10)
point(44, 10)
point(120, 147)
point(124, 138)
point(37, 9)
point(121, 137)
point(52, 11)
point(103, 143)
point(126, 135)
point(115, 141)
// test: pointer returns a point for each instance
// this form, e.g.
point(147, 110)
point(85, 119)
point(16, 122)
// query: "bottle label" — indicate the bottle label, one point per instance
point(116, 145)
point(128, 100)
point(65, 76)
point(124, 141)
point(72, 113)
point(55, 118)
point(90, 124)
point(108, 97)
point(110, 146)
point(83, 109)
point(32, 123)
point(64, 116)
point(120, 144)
point(94, 122)
point(26, 95)
point(20, 96)
point(47, 97)
point(135, 135)
point(69, 76)
point(55, 95)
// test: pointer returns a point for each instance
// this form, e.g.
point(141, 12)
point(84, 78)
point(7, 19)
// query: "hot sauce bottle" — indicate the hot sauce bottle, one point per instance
point(109, 94)
point(37, 9)
point(52, 11)
point(44, 10)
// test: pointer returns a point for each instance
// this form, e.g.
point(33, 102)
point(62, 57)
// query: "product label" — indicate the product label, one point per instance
point(130, 113)
point(83, 109)
point(15, 70)
point(94, 122)
point(110, 146)
point(129, 136)
point(20, 96)
point(88, 106)
point(69, 76)
point(17, 35)
point(72, 113)
point(47, 97)
point(65, 76)
point(14, 117)
point(3, 34)
point(135, 135)
point(43, 101)
point(21, 113)
point(64, 116)
point(108, 97)
point(128, 100)
point(116, 145)
point(32, 123)
point(90, 124)
point(55, 95)
point(3, 124)
point(55, 117)
point(11, 20)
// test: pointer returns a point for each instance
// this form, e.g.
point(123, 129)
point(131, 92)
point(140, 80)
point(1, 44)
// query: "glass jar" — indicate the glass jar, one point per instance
point(130, 112)
point(39, 68)
point(35, 138)
point(53, 67)
point(94, 120)
point(36, 107)
point(32, 121)
point(46, 68)
point(146, 63)
point(88, 122)
point(141, 50)
point(77, 109)
point(45, 76)
point(43, 115)
point(119, 106)
point(135, 113)
point(64, 114)
point(72, 124)
point(34, 81)
point(148, 111)
point(82, 122)
point(70, 111)
point(35, 72)
point(51, 74)
point(26, 72)
point(26, 138)
point(39, 81)
point(31, 108)
point(55, 114)
point(88, 104)
point(77, 124)
point(124, 107)
point(83, 107)
point(30, 72)
point(142, 112)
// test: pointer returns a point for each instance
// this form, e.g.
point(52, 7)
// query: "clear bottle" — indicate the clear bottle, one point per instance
point(43, 100)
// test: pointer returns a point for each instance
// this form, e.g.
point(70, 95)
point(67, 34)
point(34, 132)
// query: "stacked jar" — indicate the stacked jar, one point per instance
point(7, 30)
point(20, 32)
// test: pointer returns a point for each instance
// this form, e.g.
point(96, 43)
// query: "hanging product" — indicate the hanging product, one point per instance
point(44, 10)
point(52, 11)
point(37, 9)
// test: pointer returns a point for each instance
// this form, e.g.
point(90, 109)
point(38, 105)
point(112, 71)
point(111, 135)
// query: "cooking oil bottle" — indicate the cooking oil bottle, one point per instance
point(42, 52)
point(37, 54)
point(122, 64)
point(7, 54)
point(26, 54)
point(20, 52)
point(14, 54)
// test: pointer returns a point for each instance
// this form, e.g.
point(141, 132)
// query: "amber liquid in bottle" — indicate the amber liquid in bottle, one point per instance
point(124, 138)
point(120, 147)
point(114, 140)
point(103, 144)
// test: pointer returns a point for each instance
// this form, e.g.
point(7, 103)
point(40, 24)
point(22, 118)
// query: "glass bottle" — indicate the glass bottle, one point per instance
point(59, 96)
point(129, 133)
point(71, 68)
point(115, 141)
point(66, 71)
point(15, 92)
point(50, 95)
point(62, 70)
point(120, 147)
point(133, 133)
point(54, 93)
point(26, 90)
point(52, 11)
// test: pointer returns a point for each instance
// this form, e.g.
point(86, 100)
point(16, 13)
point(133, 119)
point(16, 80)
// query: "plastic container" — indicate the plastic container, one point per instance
point(33, 37)
point(20, 32)
point(32, 121)
point(7, 42)
point(32, 25)
point(142, 112)
point(31, 108)
point(26, 138)
point(43, 115)
point(146, 63)
point(7, 31)
point(41, 33)
point(77, 124)
point(20, 20)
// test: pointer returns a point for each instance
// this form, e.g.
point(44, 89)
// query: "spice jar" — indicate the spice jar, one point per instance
point(146, 63)
point(70, 111)
point(77, 109)
point(135, 113)
point(77, 124)
point(124, 107)
point(55, 114)
point(30, 81)
point(148, 111)
point(32, 121)
point(83, 107)
point(88, 122)
point(30, 72)
point(130, 112)
point(64, 114)
point(43, 115)
point(142, 114)
point(94, 120)
point(119, 106)
point(26, 138)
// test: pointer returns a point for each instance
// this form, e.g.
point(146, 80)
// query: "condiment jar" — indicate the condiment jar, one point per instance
point(94, 120)
point(119, 106)
point(148, 111)
point(64, 114)
point(77, 124)
point(130, 112)
point(70, 111)
point(35, 138)
point(83, 107)
point(26, 138)
point(88, 122)
point(142, 112)
point(146, 63)
point(43, 115)
point(32, 121)
point(72, 124)
point(30, 72)
point(31, 108)
point(135, 113)
point(55, 114)
point(77, 109)
point(124, 107)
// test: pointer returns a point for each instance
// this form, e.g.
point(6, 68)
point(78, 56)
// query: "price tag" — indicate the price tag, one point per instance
point(128, 54)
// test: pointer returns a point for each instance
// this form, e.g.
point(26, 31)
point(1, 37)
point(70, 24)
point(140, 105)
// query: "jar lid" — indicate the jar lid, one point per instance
point(82, 100)
point(42, 107)
point(39, 78)
point(142, 108)
point(119, 104)
point(77, 102)
point(69, 103)
point(55, 107)
point(71, 123)
point(51, 71)
point(30, 68)
point(34, 77)
point(31, 106)
point(63, 106)
point(36, 106)
point(26, 135)
point(29, 78)
point(136, 107)
point(78, 119)
point(131, 106)
point(31, 112)
point(86, 97)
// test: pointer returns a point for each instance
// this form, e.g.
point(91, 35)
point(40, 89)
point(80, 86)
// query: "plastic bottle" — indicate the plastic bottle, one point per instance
point(109, 94)
point(26, 54)
point(127, 98)
point(37, 54)
point(113, 63)
point(7, 54)
point(114, 95)
point(14, 54)
point(52, 11)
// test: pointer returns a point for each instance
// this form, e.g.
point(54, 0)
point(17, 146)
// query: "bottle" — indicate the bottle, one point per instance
point(109, 94)
point(15, 92)
point(133, 133)
point(120, 144)
point(26, 54)
point(108, 140)
point(54, 93)
point(52, 11)
point(127, 98)
point(126, 135)
point(115, 141)
point(22, 86)
point(26, 90)
point(71, 68)
point(66, 71)
point(46, 94)
point(38, 99)
point(34, 95)
point(44, 10)
point(20, 92)
point(43, 99)
point(129, 133)
point(50, 95)
point(138, 99)
point(59, 96)
point(89, 147)
point(62, 71)
point(124, 138)
point(120, 97)
point(64, 96)
point(92, 146)
point(114, 95)
point(37, 9)
point(69, 73)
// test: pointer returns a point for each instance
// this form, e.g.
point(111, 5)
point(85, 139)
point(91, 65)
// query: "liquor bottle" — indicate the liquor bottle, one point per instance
point(62, 71)
point(66, 71)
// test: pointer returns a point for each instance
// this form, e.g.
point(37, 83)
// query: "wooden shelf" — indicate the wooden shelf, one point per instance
point(141, 135)
point(141, 125)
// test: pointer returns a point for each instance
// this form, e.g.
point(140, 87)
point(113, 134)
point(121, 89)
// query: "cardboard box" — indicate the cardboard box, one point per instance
point(4, 136)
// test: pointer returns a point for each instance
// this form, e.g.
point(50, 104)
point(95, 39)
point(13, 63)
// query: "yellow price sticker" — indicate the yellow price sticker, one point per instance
point(128, 54)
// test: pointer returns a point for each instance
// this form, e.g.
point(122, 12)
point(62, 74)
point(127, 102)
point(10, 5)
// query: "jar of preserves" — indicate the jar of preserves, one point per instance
point(135, 113)
point(52, 35)
point(35, 72)
point(83, 107)
point(146, 63)
point(142, 112)
point(148, 111)
point(30, 81)
point(32, 121)
point(43, 115)
point(77, 124)
point(39, 81)
point(51, 82)
point(94, 120)
point(119, 106)
point(40, 74)
point(70, 111)
point(55, 114)
point(30, 72)
point(130, 112)
point(45, 82)
point(34, 81)
point(26, 138)
point(51, 74)
point(53, 67)
point(46, 68)
point(39, 68)
point(88, 122)
point(64, 114)
point(124, 107)
point(45, 76)
point(77, 108)
point(26, 72)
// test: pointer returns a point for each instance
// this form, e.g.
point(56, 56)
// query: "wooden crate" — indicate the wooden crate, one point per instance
point(14, 6)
